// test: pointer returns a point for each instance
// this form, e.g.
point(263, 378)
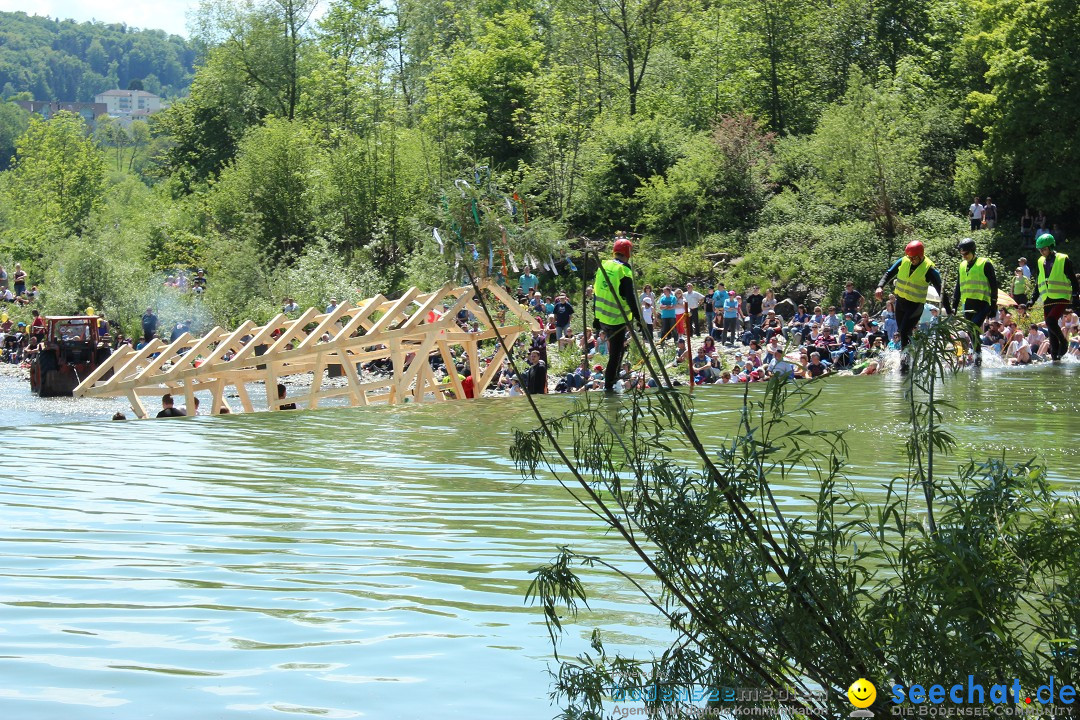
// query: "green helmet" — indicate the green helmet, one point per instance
point(1044, 240)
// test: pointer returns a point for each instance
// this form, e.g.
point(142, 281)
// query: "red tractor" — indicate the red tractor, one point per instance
point(71, 349)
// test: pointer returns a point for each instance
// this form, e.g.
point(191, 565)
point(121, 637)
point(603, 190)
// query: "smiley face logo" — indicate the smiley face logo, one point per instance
point(862, 693)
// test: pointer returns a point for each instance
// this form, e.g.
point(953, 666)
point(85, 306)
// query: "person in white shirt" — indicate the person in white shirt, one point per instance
point(693, 303)
point(975, 214)
point(647, 312)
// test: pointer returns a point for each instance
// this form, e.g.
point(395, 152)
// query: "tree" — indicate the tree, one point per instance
point(204, 129)
point(979, 570)
point(263, 40)
point(13, 123)
point(776, 40)
point(58, 177)
point(348, 56)
point(619, 158)
point(483, 91)
point(868, 148)
point(111, 134)
point(275, 184)
point(635, 28)
point(718, 183)
point(1027, 113)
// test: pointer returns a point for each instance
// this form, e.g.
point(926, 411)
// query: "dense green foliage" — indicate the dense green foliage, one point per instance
point(936, 574)
point(67, 61)
point(797, 143)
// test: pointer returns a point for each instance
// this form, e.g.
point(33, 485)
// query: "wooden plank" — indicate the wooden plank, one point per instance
point(348, 364)
point(494, 365)
point(111, 362)
point(293, 333)
point(451, 369)
point(398, 308)
point(316, 381)
point(229, 342)
point(361, 318)
point(458, 337)
point(136, 405)
point(169, 353)
point(327, 322)
point(434, 299)
point(191, 355)
point(129, 363)
point(421, 356)
point(189, 398)
point(509, 301)
point(218, 400)
point(245, 398)
point(260, 337)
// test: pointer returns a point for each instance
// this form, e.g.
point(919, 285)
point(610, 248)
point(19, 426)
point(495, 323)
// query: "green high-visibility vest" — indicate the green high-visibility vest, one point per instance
point(974, 284)
point(1057, 286)
point(912, 284)
point(608, 300)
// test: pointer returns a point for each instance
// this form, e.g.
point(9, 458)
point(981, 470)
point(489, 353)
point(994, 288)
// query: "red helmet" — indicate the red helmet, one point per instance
point(623, 247)
point(914, 249)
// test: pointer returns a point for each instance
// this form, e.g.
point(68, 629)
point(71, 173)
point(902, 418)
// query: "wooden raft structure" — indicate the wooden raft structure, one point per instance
point(405, 331)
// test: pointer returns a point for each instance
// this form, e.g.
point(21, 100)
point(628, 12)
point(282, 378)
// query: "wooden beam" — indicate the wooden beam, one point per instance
point(111, 362)
point(130, 362)
point(348, 364)
point(398, 308)
point(327, 322)
point(316, 381)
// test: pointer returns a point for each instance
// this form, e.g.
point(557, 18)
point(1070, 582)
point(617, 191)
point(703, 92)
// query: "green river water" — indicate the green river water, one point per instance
point(355, 563)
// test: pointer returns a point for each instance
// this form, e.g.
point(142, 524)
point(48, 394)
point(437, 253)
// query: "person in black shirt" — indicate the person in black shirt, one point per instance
point(536, 375)
point(149, 324)
point(852, 300)
point(167, 409)
point(753, 306)
point(562, 312)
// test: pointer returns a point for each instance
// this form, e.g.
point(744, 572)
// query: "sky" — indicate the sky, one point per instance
point(167, 15)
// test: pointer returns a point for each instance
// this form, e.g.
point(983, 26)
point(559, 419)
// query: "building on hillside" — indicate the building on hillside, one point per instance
point(90, 112)
point(129, 104)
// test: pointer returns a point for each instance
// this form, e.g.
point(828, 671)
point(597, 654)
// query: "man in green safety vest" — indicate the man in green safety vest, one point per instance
point(1058, 288)
point(614, 303)
point(976, 290)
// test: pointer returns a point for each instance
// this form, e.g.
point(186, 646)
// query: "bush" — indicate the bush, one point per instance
point(979, 571)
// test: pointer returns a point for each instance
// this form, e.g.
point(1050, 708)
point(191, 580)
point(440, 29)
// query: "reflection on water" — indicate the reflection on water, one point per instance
point(349, 563)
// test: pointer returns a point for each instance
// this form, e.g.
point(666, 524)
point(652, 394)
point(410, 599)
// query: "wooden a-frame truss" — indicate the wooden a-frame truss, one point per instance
point(405, 331)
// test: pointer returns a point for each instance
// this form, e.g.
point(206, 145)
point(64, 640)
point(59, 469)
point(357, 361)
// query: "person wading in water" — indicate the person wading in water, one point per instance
point(1058, 288)
point(914, 273)
point(614, 301)
point(975, 294)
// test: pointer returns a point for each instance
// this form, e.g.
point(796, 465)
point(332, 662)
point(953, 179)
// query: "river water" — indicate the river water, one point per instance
point(356, 563)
